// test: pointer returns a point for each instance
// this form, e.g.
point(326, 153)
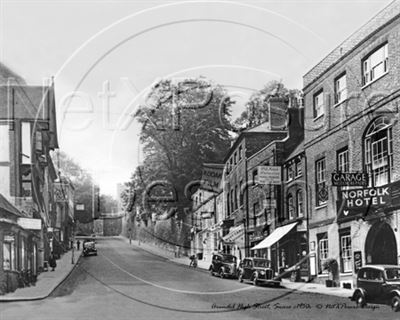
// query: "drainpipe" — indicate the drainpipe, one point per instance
point(246, 236)
point(308, 209)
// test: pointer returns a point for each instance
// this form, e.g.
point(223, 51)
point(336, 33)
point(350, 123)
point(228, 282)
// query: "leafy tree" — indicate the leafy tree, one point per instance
point(257, 106)
point(177, 144)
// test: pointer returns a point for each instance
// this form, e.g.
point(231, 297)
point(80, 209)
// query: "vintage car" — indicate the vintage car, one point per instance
point(89, 248)
point(378, 284)
point(224, 265)
point(257, 271)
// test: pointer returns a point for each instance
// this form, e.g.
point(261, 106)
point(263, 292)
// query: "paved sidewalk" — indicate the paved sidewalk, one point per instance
point(46, 282)
point(204, 265)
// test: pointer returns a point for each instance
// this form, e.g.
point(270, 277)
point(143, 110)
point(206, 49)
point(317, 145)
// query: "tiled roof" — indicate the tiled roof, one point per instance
point(392, 11)
point(6, 72)
point(299, 149)
point(7, 206)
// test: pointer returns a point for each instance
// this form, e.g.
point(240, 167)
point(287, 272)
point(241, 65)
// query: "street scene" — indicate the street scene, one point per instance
point(197, 159)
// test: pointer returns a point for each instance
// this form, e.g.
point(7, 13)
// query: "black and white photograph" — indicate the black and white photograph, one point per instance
point(199, 159)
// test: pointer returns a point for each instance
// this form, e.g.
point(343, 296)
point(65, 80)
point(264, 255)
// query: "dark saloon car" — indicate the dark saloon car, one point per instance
point(224, 265)
point(258, 271)
point(378, 284)
point(89, 248)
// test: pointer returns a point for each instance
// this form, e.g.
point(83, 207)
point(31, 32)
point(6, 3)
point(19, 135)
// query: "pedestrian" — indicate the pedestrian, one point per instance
point(52, 261)
point(78, 245)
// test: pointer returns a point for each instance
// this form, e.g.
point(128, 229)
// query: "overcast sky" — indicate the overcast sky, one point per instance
point(127, 45)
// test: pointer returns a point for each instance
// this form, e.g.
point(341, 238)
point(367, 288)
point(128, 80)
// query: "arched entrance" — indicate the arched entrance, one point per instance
point(380, 246)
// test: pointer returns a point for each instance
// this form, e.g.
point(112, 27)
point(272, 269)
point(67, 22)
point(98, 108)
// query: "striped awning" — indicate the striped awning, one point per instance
point(274, 237)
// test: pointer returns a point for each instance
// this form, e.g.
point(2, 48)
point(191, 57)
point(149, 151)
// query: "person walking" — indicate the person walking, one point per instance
point(78, 245)
point(52, 261)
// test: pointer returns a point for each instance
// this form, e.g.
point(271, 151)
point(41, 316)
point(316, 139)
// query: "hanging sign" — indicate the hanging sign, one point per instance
point(269, 175)
point(341, 179)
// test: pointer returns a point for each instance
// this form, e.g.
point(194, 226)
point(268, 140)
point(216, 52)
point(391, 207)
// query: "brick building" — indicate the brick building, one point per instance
point(237, 183)
point(352, 110)
point(277, 226)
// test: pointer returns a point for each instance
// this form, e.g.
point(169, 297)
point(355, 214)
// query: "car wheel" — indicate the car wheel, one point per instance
point(360, 300)
point(211, 272)
point(395, 303)
point(221, 273)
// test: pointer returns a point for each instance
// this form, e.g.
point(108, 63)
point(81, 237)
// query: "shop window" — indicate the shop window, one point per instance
point(9, 253)
point(321, 183)
point(378, 152)
point(345, 250)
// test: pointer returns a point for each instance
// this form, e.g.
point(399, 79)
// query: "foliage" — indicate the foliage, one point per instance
point(176, 156)
point(257, 106)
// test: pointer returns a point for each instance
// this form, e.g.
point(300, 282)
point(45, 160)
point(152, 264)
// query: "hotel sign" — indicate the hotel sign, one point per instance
point(341, 179)
point(367, 198)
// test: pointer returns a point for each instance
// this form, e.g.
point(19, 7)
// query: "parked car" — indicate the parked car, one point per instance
point(258, 271)
point(225, 265)
point(379, 284)
point(89, 248)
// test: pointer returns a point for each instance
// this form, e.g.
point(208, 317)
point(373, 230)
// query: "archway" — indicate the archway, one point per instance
point(380, 246)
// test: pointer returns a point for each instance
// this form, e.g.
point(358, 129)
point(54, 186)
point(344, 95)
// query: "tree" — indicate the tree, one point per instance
point(176, 144)
point(86, 191)
point(257, 106)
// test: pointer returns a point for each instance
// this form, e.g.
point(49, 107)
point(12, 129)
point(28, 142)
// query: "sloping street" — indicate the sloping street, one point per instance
point(126, 282)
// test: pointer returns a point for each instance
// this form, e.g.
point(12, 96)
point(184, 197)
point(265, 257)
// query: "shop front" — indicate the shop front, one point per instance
point(233, 242)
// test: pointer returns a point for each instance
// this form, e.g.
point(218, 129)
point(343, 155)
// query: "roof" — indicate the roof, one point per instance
point(7, 206)
point(299, 149)
point(6, 73)
point(387, 15)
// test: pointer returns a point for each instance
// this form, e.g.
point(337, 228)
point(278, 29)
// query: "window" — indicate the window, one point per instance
point(26, 146)
point(323, 250)
point(240, 152)
point(26, 181)
point(228, 203)
point(300, 211)
point(4, 143)
point(289, 174)
point(321, 187)
point(375, 65)
point(343, 164)
point(378, 151)
point(255, 176)
point(236, 197)
point(340, 88)
point(345, 250)
point(241, 194)
point(298, 168)
point(235, 158)
point(232, 201)
point(319, 104)
point(9, 253)
point(290, 206)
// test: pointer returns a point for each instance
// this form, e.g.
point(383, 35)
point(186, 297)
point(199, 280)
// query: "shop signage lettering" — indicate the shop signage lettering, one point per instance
point(357, 260)
point(363, 198)
point(340, 179)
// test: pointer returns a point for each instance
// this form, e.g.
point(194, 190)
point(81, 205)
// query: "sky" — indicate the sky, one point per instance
point(105, 56)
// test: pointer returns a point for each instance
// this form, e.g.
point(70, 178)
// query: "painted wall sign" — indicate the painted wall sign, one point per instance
point(340, 179)
point(211, 176)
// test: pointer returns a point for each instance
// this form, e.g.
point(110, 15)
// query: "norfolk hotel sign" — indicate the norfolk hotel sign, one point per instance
point(366, 201)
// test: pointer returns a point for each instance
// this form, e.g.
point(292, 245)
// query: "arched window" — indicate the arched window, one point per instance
point(290, 206)
point(378, 151)
point(300, 211)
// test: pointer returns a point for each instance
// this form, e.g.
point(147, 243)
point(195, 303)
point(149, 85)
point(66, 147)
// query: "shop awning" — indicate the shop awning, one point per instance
point(234, 233)
point(275, 236)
